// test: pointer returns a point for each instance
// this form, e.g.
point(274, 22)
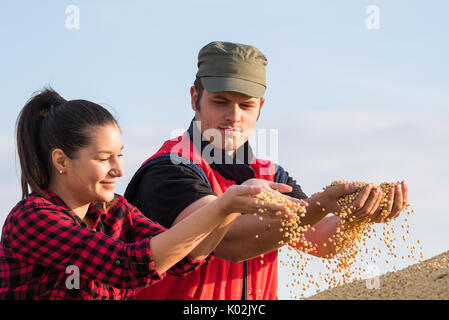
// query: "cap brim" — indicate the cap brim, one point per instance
point(219, 84)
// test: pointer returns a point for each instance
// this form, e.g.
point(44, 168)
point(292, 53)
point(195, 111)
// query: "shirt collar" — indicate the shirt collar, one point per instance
point(94, 212)
point(243, 155)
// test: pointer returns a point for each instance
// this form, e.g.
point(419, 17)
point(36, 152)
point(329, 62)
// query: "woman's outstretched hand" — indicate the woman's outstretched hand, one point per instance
point(242, 198)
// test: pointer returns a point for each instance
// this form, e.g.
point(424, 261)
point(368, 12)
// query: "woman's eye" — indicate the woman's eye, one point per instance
point(107, 159)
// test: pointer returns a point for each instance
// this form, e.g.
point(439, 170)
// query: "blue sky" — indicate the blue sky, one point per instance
point(347, 101)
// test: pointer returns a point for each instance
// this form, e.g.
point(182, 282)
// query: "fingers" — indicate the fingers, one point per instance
point(301, 202)
point(404, 197)
point(380, 216)
point(268, 207)
point(390, 200)
point(342, 189)
point(246, 190)
point(405, 192)
point(397, 199)
point(375, 208)
point(398, 203)
point(265, 209)
point(373, 201)
point(360, 201)
point(371, 204)
point(284, 188)
point(376, 216)
point(244, 199)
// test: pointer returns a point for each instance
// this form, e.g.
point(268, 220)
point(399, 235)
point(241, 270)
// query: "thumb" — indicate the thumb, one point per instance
point(343, 189)
point(284, 188)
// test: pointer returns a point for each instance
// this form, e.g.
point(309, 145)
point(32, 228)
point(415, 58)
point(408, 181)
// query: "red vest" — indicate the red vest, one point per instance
point(220, 279)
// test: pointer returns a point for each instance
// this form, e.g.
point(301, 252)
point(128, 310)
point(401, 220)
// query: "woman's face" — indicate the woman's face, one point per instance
point(92, 174)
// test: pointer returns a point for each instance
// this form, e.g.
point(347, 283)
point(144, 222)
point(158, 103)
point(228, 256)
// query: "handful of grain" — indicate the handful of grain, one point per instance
point(350, 241)
point(351, 237)
point(290, 227)
point(345, 202)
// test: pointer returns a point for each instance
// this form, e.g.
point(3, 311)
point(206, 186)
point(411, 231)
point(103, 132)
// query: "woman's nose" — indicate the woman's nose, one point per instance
point(117, 168)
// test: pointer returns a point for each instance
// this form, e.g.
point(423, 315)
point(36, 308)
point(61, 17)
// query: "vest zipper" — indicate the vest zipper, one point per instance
point(245, 284)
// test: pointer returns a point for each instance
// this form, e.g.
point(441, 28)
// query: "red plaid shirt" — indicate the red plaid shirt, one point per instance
point(45, 245)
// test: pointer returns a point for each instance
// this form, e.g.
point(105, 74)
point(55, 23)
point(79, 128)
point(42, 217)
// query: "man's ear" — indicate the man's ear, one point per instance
point(193, 97)
point(262, 101)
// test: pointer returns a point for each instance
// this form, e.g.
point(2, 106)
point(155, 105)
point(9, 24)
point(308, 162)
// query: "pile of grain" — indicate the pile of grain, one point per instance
point(426, 280)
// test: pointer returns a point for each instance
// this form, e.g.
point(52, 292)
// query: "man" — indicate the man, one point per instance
point(190, 171)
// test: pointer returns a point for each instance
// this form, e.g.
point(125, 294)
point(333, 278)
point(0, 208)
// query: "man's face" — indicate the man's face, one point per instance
point(227, 118)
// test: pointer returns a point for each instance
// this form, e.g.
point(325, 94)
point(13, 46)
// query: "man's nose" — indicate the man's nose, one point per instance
point(234, 113)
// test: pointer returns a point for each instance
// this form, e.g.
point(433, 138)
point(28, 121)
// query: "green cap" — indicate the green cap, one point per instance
point(227, 66)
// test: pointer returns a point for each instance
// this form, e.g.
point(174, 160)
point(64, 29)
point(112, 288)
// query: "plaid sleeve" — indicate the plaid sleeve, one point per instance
point(143, 226)
point(52, 239)
point(187, 265)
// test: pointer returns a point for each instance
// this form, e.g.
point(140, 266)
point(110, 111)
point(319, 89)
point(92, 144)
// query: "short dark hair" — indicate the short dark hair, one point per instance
point(48, 122)
point(199, 90)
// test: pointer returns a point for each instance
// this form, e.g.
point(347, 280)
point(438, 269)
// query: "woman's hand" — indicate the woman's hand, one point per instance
point(270, 186)
point(274, 187)
point(242, 198)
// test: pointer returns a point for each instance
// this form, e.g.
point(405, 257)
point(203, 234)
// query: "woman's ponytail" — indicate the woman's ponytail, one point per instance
point(33, 162)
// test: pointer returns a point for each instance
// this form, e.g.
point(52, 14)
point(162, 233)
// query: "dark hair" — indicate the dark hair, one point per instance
point(199, 90)
point(47, 122)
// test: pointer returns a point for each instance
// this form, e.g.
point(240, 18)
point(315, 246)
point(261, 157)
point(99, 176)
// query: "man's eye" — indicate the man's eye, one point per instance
point(104, 160)
point(220, 101)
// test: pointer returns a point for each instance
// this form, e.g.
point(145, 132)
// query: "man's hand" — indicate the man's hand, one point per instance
point(397, 199)
point(365, 205)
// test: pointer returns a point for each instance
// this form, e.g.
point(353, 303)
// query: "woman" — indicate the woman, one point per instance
point(71, 156)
